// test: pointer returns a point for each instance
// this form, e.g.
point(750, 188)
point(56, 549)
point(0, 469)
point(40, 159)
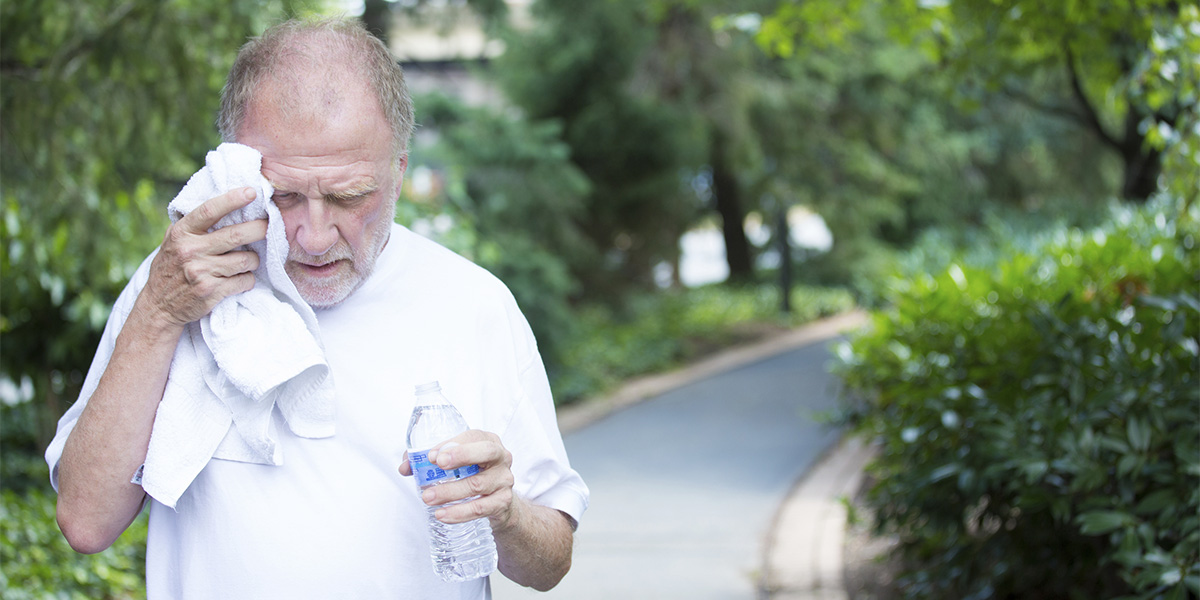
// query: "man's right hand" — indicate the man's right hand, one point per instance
point(195, 268)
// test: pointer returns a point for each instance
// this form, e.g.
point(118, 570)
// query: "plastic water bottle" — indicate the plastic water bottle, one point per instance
point(461, 551)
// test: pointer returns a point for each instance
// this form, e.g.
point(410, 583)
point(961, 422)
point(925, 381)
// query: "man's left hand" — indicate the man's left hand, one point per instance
point(534, 542)
point(493, 484)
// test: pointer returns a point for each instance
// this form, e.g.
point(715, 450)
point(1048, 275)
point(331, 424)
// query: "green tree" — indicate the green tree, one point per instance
point(854, 123)
point(881, 141)
point(1125, 72)
point(578, 67)
point(696, 73)
point(717, 76)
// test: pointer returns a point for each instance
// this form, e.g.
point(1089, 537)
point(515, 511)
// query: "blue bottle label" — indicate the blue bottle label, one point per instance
point(428, 473)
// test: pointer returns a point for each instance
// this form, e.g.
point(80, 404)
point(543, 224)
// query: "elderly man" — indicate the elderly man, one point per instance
point(326, 106)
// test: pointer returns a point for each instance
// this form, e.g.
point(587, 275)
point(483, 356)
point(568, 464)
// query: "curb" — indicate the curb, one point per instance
point(804, 555)
point(579, 415)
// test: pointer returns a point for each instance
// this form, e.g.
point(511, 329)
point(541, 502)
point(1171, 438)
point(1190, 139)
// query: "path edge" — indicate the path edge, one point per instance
point(803, 554)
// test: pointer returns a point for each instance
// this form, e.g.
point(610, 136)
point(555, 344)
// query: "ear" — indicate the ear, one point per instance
point(400, 167)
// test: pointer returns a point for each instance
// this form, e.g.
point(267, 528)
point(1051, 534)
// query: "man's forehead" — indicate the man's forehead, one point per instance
point(304, 104)
point(292, 130)
point(326, 182)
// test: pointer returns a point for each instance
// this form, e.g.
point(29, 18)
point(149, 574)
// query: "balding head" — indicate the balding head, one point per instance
point(309, 67)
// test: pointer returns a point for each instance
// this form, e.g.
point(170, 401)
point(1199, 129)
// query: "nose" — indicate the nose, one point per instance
point(318, 231)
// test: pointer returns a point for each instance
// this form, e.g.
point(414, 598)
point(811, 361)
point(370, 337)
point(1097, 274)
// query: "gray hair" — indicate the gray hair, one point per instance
point(341, 46)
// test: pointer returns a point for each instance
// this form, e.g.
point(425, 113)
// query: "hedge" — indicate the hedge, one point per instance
point(1038, 417)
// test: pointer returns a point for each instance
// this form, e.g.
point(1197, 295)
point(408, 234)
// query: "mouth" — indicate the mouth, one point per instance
point(322, 269)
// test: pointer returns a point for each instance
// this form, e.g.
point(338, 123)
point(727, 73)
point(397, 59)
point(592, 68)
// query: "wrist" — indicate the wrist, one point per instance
point(153, 325)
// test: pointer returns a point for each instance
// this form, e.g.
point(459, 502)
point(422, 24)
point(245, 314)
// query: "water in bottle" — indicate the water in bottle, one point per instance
point(461, 551)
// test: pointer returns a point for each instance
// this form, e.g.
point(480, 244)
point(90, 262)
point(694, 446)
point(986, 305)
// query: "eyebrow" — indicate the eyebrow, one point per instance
point(359, 189)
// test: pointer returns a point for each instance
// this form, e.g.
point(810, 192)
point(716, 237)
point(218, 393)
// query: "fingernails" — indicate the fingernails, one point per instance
point(441, 457)
point(427, 496)
point(248, 193)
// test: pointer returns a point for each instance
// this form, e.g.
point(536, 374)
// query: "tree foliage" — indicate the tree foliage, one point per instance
point(1126, 72)
point(866, 131)
point(578, 68)
point(698, 69)
point(1037, 414)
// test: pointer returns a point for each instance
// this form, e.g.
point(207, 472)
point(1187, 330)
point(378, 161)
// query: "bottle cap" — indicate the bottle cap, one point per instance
point(426, 388)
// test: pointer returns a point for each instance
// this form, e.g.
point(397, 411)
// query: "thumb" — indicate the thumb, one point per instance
point(406, 466)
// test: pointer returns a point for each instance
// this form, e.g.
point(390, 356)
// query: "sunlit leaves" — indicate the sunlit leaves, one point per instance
point(1112, 63)
point(1037, 413)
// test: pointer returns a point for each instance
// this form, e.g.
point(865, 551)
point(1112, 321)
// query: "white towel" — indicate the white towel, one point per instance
point(255, 351)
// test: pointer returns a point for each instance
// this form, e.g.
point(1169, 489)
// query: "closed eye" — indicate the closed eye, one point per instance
point(285, 199)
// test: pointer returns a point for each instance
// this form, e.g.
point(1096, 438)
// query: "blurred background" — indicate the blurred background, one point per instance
point(1009, 186)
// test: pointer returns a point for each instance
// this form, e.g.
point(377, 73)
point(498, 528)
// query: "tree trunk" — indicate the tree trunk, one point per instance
point(733, 215)
point(1142, 165)
point(785, 261)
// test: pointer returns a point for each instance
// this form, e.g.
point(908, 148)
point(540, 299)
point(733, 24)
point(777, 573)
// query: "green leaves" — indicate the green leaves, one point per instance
point(1097, 522)
point(1123, 72)
point(1039, 405)
point(579, 69)
point(38, 562)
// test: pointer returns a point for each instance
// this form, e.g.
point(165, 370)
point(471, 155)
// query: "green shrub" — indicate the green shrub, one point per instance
point(1001, 233)
point(1039, 418)
point(38, 562)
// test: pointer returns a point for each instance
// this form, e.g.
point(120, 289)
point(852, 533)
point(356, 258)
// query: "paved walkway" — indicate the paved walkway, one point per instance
point(691, 471)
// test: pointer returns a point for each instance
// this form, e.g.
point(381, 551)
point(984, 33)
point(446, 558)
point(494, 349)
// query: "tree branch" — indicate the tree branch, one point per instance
point(1090, 117)
point(1057, 110)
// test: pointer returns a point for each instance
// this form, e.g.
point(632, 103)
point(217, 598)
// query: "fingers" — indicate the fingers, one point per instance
point(472, 447)
point(206, 215)
point(494, 507)
point(405, 466)
point(239, 234)
point(197, 223)
point(493, 484)
point(196, 269)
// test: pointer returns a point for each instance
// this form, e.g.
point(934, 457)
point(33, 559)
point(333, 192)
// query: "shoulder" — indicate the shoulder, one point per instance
point(438, 272)
point(447, 284)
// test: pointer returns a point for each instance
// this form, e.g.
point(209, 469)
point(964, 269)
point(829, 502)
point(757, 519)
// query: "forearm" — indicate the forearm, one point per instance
point(96, 500)
point(535, 545)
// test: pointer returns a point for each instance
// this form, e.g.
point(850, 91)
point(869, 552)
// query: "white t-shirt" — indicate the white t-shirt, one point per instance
point(336, 519)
